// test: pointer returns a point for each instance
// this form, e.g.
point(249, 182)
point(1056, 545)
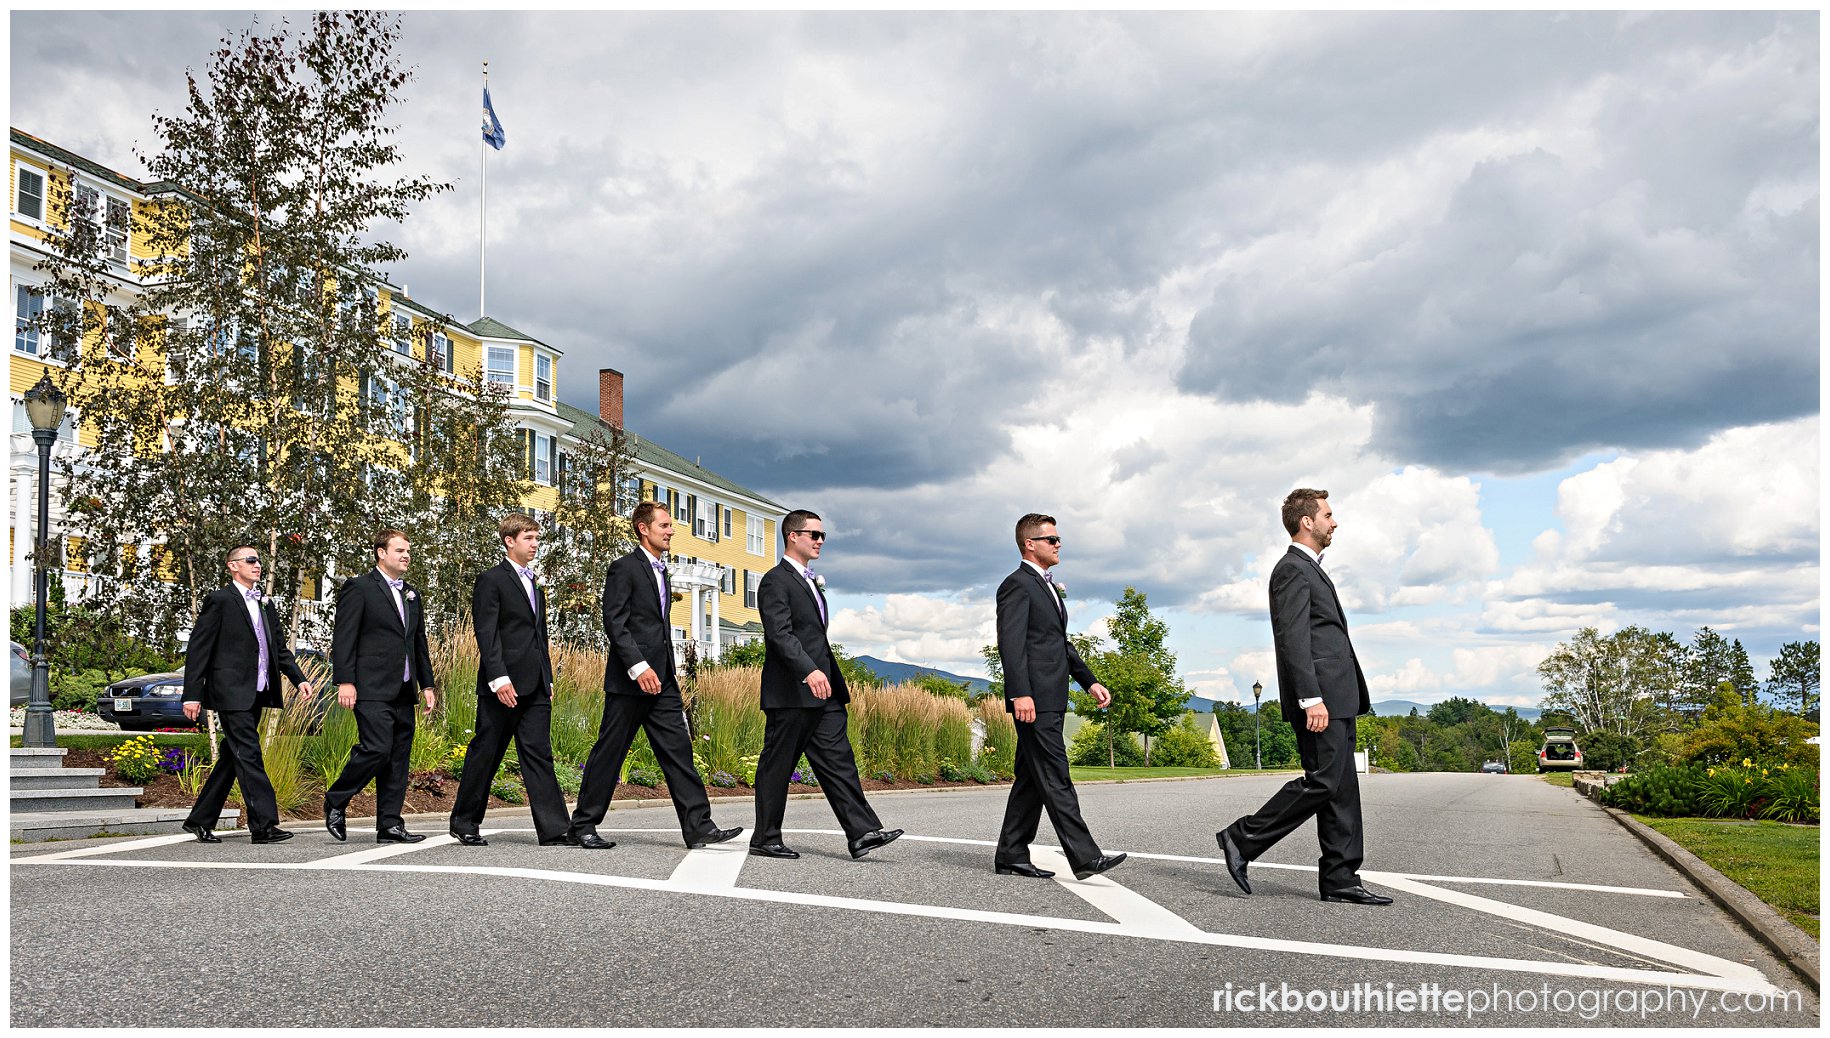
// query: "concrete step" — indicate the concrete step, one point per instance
point(32, 827)
point(115, 798)
point(38, 757)
point(57, 778)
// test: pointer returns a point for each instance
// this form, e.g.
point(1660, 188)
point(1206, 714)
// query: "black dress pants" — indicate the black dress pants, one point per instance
point(530, 724)
point(238, 758)
point(1042, 782)
point(663, 717)
point(1329, 790)
point(384, 749)
point(820, 733)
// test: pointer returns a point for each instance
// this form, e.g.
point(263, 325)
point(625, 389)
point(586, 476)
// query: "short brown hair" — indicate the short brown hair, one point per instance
point(1029, 524)
point(237, 550)
point(514, 524)
point(385, 537)
point(796, 521)
point(643, 515)
point(1301, 503)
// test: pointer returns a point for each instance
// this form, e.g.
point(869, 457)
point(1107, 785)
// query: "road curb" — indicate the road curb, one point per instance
point(1794, 946)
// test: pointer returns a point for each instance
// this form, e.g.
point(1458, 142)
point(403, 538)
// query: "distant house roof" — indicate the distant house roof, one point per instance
point(651, 453)
point(75, 161)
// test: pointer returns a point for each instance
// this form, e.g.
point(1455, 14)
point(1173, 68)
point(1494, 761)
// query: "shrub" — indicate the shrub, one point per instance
point(1731, 731)
point(644, 777)
point(1728, 793)
point(1658, 790)
point(721, 779)
point(570, 776)
point(432, 782)
point(998, 754)
point(135, 761)
point(970, 771)
point(454, 761)
point(1608, 751)
point(1184, 745)
point(1088, 748)
point(1792, 795)
point(507, 789)
point(77, 691)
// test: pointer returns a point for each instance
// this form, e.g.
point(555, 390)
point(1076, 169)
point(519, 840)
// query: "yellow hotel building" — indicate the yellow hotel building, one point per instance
point(725, 535)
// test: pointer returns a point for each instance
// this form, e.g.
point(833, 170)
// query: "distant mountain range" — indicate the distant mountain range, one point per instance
point(894, 672)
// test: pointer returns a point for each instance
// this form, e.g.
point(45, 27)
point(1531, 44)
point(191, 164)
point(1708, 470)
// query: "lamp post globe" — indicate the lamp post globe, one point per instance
point(1257, 746)
point(44, 405)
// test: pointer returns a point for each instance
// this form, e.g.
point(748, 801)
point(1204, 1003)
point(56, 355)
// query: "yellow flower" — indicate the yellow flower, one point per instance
point(1763, 771)
point(1786, 766)
point(1746, 763)
point(1712, 772)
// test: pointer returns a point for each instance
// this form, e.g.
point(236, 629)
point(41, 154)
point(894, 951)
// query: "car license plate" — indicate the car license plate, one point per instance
point(123, 704)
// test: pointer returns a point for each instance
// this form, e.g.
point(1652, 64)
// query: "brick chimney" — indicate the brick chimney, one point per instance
point(610, 396)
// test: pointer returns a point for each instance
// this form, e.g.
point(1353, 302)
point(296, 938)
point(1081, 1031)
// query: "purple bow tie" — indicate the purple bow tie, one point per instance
point(397, 584)
point(253, 594)
point(525, 572)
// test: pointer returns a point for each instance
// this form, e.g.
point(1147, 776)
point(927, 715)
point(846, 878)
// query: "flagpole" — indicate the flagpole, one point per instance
point(483, 231)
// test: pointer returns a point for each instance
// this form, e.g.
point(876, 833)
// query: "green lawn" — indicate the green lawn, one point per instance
point(1565, 779)
point(109, 740)
point(1097, 774)
point(1776, 863)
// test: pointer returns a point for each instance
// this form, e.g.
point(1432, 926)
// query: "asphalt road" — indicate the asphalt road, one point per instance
point(162, 932)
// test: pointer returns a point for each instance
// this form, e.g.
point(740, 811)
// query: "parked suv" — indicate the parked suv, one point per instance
point(1559, 752)
point(1493, 767)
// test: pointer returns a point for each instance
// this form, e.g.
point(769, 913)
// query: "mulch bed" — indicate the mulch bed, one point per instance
point(164, 792)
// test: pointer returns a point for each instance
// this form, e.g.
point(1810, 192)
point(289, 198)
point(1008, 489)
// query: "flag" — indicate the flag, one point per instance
point(492, 127)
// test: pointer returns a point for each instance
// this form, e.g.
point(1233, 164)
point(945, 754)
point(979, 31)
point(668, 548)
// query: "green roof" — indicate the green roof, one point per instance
point(491, 328)
point(76, 161)
point(651, 453)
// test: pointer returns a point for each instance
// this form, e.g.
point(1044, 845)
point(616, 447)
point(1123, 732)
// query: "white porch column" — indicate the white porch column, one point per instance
point(717, 622)
point(24, 476)
point(695, 624)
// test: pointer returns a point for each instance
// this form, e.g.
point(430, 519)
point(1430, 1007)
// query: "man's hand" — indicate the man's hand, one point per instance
point(1099, 693)
point(302, 689)
point(1316, 717)
point(431, 697)
point(1024, 709)
point(506, 694)
point(649, 682)
point(346, 696)
point(819, 685)
point(192, 709)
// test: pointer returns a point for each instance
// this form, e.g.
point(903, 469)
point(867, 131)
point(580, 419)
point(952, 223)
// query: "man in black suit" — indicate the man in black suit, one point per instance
point(1038, 659)
point(803, 700)
point(378, 659)
point(514, 690)
point(1321, 689)
point(641, 692)
point(233, 665)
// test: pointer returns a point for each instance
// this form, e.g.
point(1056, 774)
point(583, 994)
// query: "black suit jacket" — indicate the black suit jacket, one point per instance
point(1314, 656)
point(511, 633)
point(223, 659)
point(369, 643)
point(1033, 646)
point(794, 641)
point(635, 625)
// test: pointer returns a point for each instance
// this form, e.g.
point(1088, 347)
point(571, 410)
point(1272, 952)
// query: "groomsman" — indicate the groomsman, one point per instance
point(803, 700)
point(233, 666)
point(1321, 689)
point(379, 659)
point(1038, 659)
point(514, 690)
point(641, 692)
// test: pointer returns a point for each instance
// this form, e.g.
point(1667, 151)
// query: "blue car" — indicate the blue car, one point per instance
point(150, 701)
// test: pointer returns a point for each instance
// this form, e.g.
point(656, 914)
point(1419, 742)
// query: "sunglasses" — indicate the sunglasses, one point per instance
point(1050, 539)
point(252, 560)
point(818, 535)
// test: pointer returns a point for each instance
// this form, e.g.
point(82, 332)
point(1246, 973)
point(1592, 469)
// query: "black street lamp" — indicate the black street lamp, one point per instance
point(1257, 749)
point(44, 405)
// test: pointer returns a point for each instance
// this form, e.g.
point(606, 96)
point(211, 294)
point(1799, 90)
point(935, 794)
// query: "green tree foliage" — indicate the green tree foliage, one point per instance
point(590, 530)
point(1795, 676)
point(1185, 745)
point(1711, 660)
point(1139, 672)
point(1277, 738)
point(1094, 746)
point(742, 654)
point(940, 686)
point(1732, 730)
point(1610, 683)
point(1456, 710)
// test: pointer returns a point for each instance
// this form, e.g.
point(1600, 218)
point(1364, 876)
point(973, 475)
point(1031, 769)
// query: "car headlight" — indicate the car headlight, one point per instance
point(165, 691)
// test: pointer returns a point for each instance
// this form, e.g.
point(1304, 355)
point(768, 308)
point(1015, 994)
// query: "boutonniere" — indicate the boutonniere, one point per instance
point(819, 581)
point(409, 594)
point(1060, 589)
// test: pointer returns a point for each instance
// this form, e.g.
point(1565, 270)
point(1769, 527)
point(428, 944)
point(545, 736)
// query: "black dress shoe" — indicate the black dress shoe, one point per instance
point(1098, 865)
point(1022, 868)
point(773, 850)
point(273, 835)
point(202, 832)
point(468, 839)
point(398, 834)
point(1356, 896)
point(711, 836)
point(333, 821)
point(872, 840)
point(1235, 860)
point(590, 842)
point(557, 841)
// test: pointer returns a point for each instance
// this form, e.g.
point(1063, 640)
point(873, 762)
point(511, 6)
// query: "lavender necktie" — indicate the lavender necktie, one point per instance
point(528, 575)
point(1055, 589)
point(815, 583)
point(400, 606)
point(661, 585)
point(260, 637)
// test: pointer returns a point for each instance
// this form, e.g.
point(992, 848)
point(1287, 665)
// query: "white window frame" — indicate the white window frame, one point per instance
point(401, 332)
point(20, 166)
point(119, 251)
point(751, 581)
point(753, 535)
point(489, 365)
point(447, 356)
point(543, 458)
point(543, 386)
point(25, 325)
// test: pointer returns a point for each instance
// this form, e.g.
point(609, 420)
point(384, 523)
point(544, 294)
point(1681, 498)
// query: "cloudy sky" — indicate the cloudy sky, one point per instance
point(1535, 296)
